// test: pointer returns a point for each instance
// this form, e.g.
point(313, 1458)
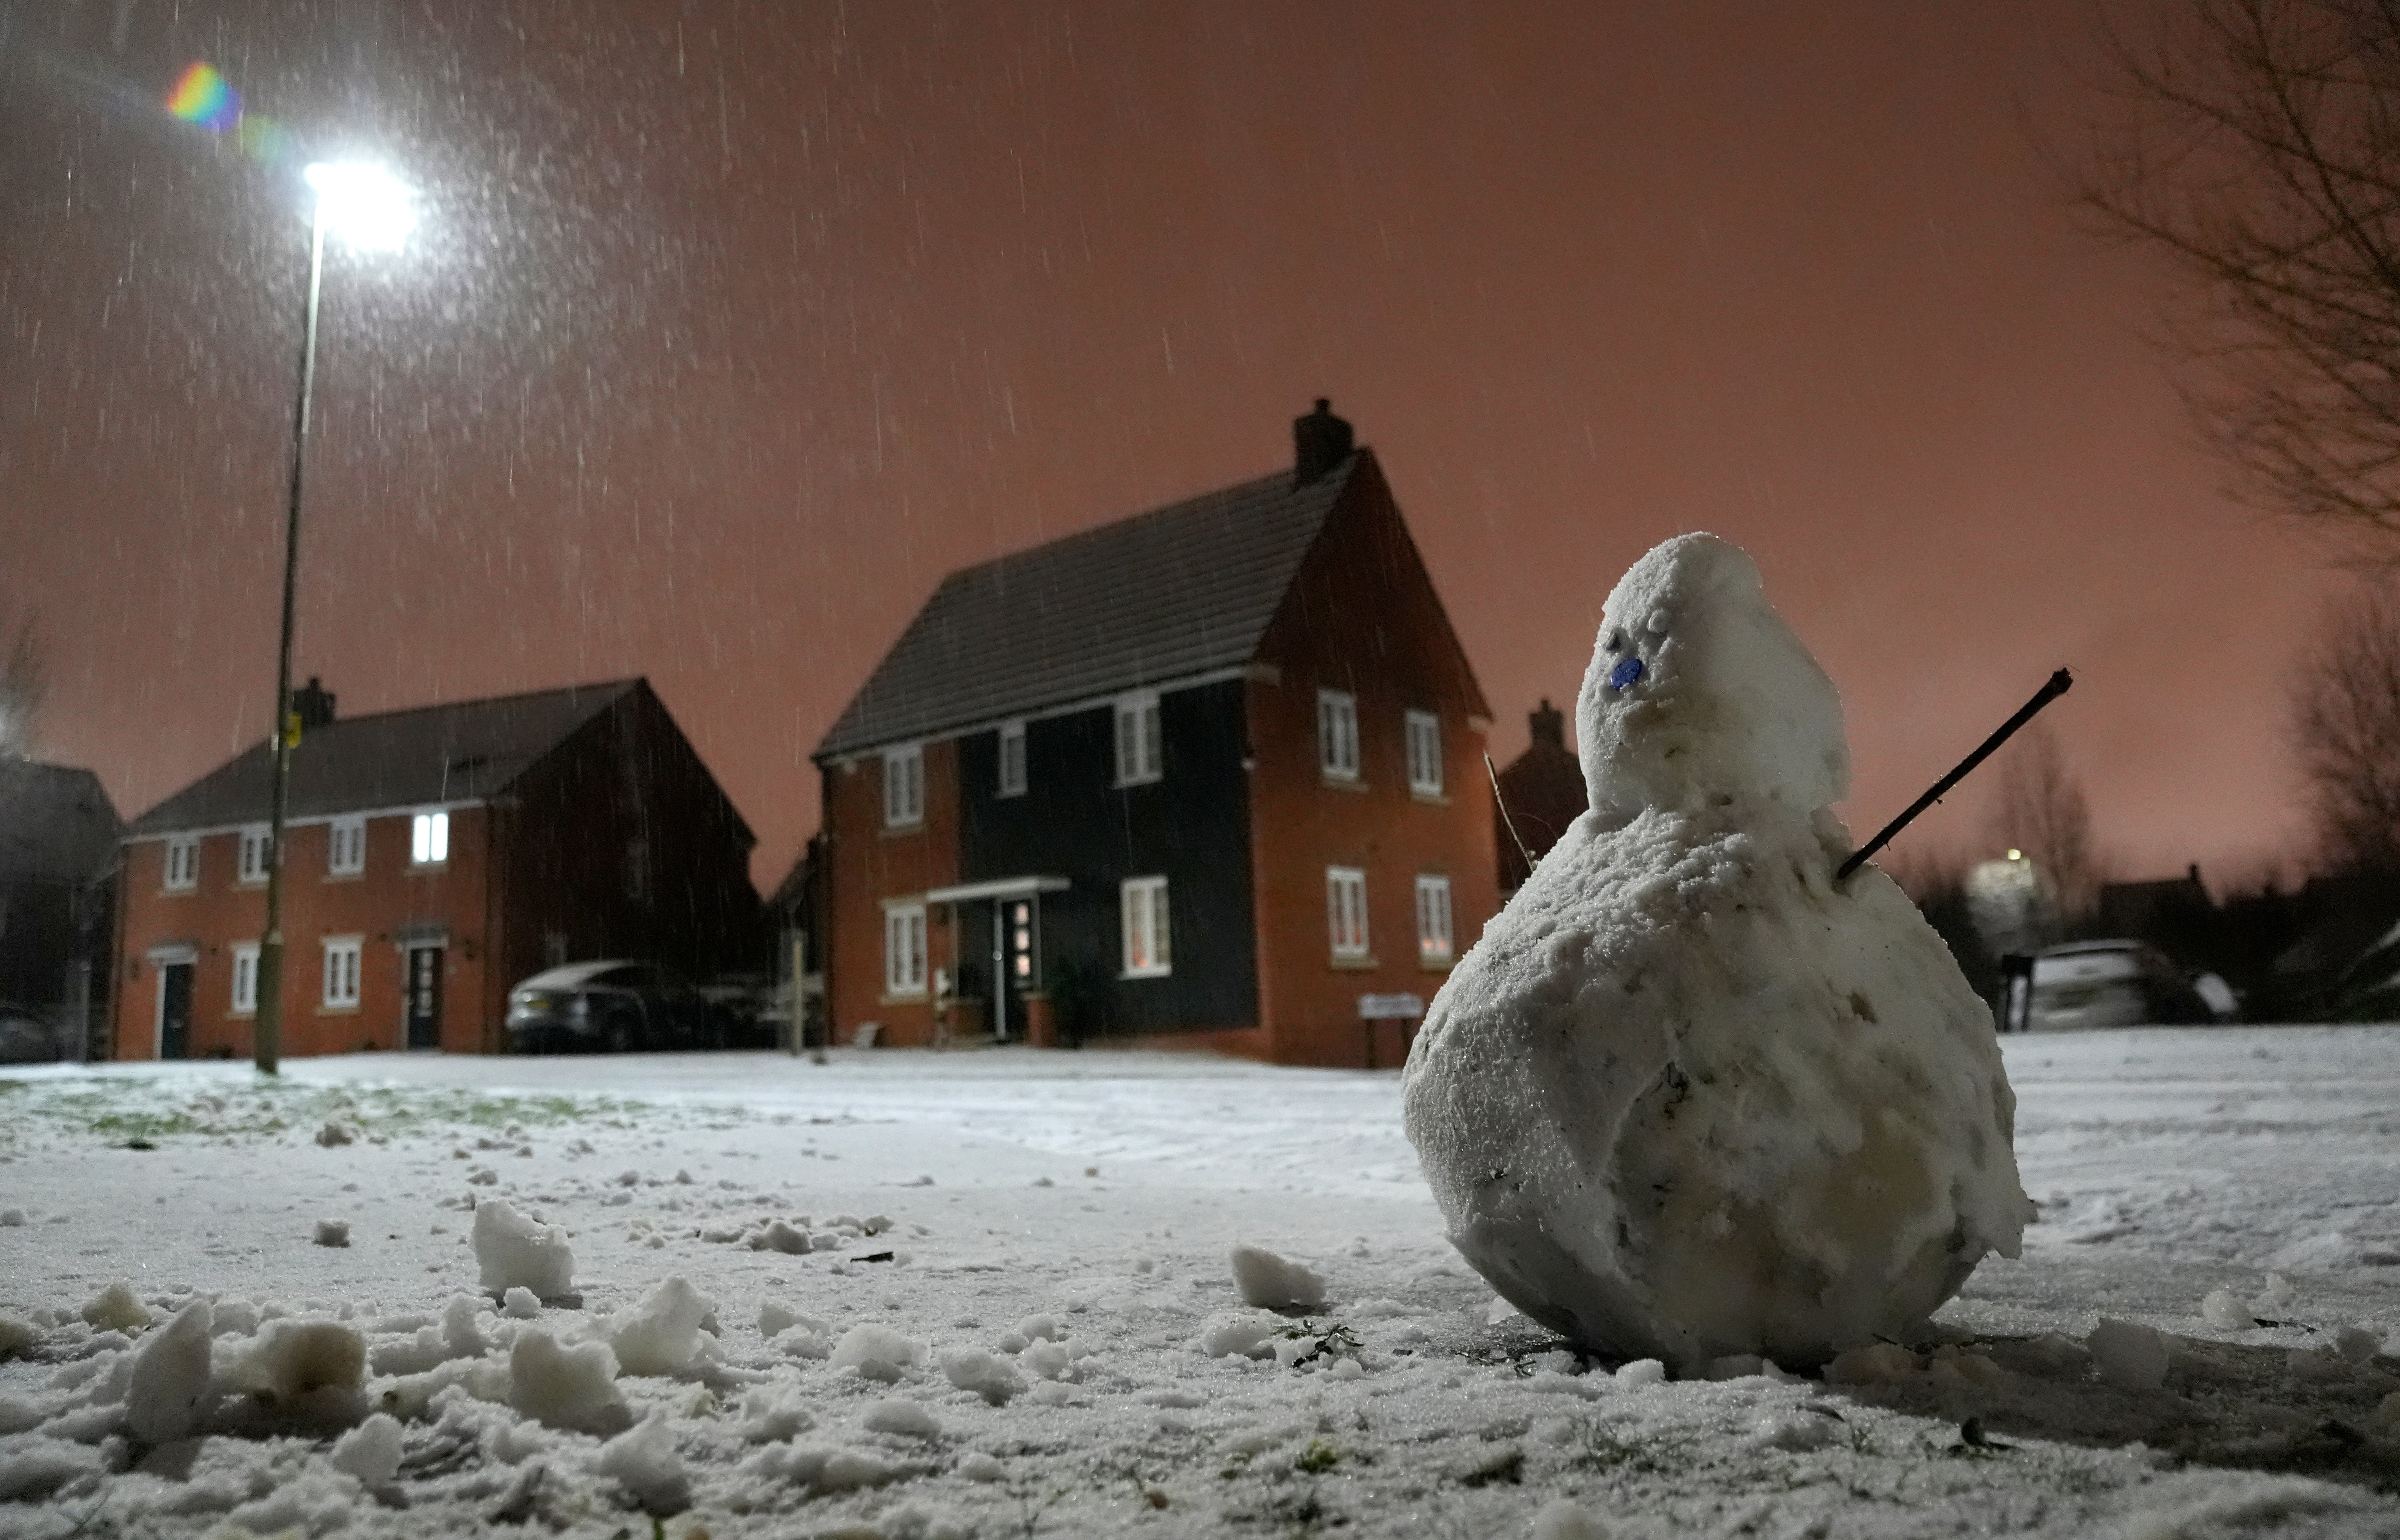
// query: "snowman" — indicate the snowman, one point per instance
point(1689, 1096)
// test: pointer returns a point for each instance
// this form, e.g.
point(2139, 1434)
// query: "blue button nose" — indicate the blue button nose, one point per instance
point(1625, 674)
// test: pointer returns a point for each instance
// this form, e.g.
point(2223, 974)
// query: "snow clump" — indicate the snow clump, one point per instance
point(311, 1369)
point(644, 1462)
point(2128, 1356)
point(569, 1387)
point(171, 1378)
point(876, 1352)
point(663, 1334)
point(369, 1452)
point(115, 1309)
point(986, 1374)
point(1688, 1096)
point(516, 1253)
point(1270, 1283)
point(333, 1233)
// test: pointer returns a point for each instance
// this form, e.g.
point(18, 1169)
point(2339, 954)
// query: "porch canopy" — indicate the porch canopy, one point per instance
point(998, 887)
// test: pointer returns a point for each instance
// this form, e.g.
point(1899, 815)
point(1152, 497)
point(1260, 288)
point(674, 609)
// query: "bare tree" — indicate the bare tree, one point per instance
point(2257, 142)
point(2040, 808)
point(24, 680)
point(2348, 732)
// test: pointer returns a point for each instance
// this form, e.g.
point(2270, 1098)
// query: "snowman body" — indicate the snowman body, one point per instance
point(1688, 1096)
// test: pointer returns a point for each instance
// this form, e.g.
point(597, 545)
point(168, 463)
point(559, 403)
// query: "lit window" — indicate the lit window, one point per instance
point(428, 839)
point(1433, 919)
point(184, 863)
point(1011, 759)
point(346, 847)
point(1146, 952)
point(904, 786)
point(904, 949)
point(1337, 734)
point(255, 842)
point(245, 978)
point(1140, 755)
point(1345, 911)
point(1425, 753)
point(342, 971)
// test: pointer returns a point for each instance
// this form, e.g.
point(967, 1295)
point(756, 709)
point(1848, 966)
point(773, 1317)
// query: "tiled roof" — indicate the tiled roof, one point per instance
point(459, 752)
point(1182, 590)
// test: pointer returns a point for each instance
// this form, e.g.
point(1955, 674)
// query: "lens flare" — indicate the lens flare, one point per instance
point(201, 96)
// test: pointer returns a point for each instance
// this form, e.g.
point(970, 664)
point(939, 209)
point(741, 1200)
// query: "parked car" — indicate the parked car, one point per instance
point(25, 1036)
point(2089, 984)
point(612, 1007)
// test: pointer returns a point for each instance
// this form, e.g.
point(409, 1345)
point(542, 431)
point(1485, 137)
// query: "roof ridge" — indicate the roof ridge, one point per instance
point(624, 683)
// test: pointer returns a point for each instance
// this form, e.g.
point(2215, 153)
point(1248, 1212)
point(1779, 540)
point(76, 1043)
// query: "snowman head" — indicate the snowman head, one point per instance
point(1697, 692)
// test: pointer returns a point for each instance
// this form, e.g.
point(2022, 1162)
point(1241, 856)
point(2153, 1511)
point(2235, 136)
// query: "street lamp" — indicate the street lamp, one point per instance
point(364, 205)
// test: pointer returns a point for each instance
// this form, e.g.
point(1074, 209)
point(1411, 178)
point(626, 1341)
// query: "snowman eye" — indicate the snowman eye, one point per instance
point(1616, 642)
point(1625, 674)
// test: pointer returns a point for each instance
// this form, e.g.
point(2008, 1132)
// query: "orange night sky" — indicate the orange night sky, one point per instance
point(732, 326)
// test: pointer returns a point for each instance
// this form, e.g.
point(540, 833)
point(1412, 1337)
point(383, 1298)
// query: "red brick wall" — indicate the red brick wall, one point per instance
point(390, 895)
point(866, 865)
point(1363, 617)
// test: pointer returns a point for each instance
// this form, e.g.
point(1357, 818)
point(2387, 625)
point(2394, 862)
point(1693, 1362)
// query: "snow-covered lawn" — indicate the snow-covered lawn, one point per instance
point(1014, 1265)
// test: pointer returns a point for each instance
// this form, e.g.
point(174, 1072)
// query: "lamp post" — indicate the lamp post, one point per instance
point(369, 210)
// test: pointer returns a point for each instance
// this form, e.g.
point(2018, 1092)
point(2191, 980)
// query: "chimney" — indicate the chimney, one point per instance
point(313, 703)
point(1320, 442)
point(1550, 728)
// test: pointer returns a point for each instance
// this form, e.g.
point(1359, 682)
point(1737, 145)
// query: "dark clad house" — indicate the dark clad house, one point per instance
point(1204, 776)
point(1541, 792)
point(57, 862)
point(432, 857)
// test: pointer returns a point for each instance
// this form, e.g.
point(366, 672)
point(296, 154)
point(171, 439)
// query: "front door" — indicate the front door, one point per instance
point(1015, 947)
point(424, 1006)
point(175, 1010)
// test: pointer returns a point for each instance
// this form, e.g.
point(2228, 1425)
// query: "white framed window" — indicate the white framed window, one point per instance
point(904, 786)
point(342, 971)
point(1141, 750)
point(904, 949)
point(1425, 753)
point(255, 842)
point(1148, 952)
point(182, 863)
point(1433, 919)
point(1011, 759)
point(245, 978)
point(1337, 734)
point(346, 847)
point(1345, 911)
point(428, 839)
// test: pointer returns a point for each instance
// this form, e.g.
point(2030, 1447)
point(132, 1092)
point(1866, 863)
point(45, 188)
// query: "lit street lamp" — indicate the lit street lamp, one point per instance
point(370, 210)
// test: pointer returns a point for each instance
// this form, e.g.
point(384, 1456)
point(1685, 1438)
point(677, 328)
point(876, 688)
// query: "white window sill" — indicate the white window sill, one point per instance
point(1132, 974)
point(1436, 796)
point(1340, 782)
point(896, 831)
point(1143, 780)
point(349, 1010)
point(1358, 963)
point(1437, 964)
point(239, 882)
point(429, 865)
point(917, 996)
point(240, 1014)
point(179, 893)
point(346, 877)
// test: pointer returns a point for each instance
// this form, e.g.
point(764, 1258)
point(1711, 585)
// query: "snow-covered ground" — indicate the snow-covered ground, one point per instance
point(1017, 1270)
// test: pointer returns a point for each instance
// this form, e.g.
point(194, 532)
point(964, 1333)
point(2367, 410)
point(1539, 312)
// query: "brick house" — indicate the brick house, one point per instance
point(58, 844)
point(1542, 791)
point(1206, 776)
point(432, 857)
